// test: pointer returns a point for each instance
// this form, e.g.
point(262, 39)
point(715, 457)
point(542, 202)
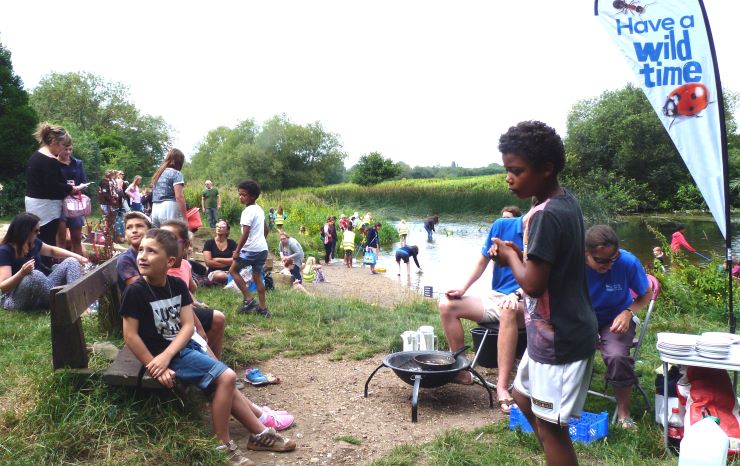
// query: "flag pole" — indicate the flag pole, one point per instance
point(725, 171)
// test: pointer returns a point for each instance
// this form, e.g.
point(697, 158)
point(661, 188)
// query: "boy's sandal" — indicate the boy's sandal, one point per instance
point(505, 405)
point(255, 377)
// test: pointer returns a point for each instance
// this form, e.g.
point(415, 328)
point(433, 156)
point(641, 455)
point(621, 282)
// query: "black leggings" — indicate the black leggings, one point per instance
point(327, 251)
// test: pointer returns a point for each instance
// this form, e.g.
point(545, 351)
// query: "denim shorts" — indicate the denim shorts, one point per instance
point(194, 366)
point(255, 259)
point(73, 222)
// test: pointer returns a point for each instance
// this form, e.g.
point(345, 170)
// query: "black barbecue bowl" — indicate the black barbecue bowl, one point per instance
point(405, 367)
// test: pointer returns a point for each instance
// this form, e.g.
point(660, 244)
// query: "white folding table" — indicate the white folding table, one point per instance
point(731, 363)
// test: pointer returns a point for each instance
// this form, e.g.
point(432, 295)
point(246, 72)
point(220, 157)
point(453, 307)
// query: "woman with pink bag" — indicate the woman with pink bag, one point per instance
point(74, 173)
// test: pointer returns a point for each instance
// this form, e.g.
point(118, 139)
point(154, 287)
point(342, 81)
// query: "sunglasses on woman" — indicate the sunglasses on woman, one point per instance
point(605, 260)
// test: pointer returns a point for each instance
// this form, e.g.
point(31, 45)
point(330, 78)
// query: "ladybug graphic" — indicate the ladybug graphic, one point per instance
point(687, 100)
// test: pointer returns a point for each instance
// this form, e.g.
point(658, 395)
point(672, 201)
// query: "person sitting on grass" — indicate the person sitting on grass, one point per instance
point(348, 245)
point(404, 253)
point(502, 304)
point(23, 286)
point(612, 272)
point(251, 250)
point(157, 326)
point(218, 253)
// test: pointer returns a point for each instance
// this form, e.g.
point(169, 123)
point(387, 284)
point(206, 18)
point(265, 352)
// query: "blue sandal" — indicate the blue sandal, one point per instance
point(255, 377)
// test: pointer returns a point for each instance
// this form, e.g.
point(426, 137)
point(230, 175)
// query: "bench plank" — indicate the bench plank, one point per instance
point(72, 300)
point(125, 372)
point(67, 339)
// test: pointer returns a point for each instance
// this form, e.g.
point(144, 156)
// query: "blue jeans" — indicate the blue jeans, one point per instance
point(212, 216)
point(429, 233)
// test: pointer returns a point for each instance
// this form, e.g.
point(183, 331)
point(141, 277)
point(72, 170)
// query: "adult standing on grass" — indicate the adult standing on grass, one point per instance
point(612, 272)
point(678, 241)
point(251, 250)
point(210, 202)
point(168, 198)
point(74, 173)
point(134, 194)
point(46, 186)
point(429, 225)
point(23, 286)
point(218, 253)
point(326, 236)
point(552, 381)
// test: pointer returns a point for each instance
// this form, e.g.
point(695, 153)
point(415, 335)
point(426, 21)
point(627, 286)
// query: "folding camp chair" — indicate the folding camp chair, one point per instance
point(640, 333)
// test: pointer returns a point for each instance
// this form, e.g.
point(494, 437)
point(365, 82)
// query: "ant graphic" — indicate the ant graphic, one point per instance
point(631, 7)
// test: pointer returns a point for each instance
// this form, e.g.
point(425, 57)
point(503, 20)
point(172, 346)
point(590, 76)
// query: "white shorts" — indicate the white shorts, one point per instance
point(557, 391)
point(492, 306)
point(165, 210)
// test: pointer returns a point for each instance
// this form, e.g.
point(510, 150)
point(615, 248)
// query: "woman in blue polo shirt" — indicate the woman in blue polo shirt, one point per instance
point(611, 273)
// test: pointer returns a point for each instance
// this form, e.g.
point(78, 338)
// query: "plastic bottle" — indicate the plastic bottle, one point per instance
point(675, 430)
point(704, 443)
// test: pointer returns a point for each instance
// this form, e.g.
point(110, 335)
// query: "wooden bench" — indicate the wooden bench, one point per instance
point(68, 347)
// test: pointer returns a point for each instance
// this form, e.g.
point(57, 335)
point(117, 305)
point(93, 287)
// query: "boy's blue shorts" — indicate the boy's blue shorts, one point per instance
point(195, 366)
point(255, 259)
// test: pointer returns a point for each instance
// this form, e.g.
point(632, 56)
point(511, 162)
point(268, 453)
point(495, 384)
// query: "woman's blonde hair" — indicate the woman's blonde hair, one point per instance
point(137, 178)
point(47, 134)
point(174, 159)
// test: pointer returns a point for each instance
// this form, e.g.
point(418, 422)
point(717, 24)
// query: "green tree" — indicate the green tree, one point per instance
point(17, 124)
point(373, 168)
point(107, 128)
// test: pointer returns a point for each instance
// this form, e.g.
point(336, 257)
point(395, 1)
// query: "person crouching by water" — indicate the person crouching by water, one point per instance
point(404, 253)
point(23, 286)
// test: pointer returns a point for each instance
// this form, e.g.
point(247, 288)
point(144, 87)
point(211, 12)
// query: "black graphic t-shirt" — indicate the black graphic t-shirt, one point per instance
point(157, 308)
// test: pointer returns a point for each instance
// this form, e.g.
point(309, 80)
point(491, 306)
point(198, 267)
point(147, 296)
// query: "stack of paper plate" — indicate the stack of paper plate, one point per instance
point(729, 336)
point(713, 347)
point(676, 344)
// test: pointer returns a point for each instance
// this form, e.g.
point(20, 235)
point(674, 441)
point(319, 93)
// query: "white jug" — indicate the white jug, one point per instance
point(426, 338)
point(410, 340)
point(704, 443)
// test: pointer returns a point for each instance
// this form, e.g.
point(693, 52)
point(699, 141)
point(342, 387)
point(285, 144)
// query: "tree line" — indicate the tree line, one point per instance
point(618, 153)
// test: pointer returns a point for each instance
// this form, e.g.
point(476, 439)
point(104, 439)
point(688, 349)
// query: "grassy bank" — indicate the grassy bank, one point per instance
point(58, 418)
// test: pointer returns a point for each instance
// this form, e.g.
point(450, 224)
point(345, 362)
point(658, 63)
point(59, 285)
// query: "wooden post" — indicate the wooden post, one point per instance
point(67, 338)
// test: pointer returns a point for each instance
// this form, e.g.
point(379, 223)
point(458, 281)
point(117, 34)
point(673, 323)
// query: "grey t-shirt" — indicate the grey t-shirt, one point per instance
point(561, 325)
point(164, 190)
point(293, 250)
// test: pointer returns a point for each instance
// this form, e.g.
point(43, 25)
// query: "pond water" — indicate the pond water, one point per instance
point(448, 260)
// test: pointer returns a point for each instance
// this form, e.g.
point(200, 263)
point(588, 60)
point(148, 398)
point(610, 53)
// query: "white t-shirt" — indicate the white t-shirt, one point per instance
point(254, 217)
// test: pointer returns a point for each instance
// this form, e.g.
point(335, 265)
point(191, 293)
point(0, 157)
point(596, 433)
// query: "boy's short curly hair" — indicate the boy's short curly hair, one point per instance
point(251, 187)
point(536, 142)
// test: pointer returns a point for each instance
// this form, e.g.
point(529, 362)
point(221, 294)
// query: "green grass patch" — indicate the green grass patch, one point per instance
point(349, 439)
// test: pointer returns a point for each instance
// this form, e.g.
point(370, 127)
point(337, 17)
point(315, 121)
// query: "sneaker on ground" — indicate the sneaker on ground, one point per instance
point(235, 456)
point(255, 377)
point(278, 421)
point(270, 441)
point(248, 306)
point(263, 312)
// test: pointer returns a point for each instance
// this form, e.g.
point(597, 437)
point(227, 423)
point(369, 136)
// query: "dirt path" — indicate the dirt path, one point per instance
point(327, 400)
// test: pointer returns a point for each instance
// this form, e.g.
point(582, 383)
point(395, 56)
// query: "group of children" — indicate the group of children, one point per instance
point(176, 337)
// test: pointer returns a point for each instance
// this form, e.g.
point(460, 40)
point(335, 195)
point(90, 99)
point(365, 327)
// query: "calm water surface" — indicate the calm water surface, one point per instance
point(448, 260)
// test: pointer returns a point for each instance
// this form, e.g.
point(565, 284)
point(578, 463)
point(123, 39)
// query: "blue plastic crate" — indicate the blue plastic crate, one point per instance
point(588, 428)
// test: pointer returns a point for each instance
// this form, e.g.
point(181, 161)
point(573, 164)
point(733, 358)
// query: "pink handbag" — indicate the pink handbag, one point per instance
point(76, 206)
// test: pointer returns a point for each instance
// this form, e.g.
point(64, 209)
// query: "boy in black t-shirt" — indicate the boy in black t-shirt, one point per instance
point(552, 381)
point(158, 325)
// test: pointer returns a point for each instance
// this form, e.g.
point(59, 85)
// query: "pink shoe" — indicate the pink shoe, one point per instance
point(267, 409)
point(278, 421)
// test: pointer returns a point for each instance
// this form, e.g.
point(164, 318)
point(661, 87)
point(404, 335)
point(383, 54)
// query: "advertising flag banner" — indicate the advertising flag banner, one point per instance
point(666, 42)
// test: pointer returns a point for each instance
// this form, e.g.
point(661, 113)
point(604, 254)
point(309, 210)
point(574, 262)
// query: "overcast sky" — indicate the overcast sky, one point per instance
point(424, 82)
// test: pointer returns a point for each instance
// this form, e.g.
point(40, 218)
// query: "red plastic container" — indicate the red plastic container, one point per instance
point(193, 217)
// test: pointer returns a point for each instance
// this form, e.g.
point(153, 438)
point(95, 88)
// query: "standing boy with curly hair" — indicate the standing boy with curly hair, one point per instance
point(553, 377)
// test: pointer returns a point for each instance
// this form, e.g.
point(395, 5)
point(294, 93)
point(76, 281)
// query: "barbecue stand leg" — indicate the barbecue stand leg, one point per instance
point(415, 397)
point(485, 385)
point(371, 376)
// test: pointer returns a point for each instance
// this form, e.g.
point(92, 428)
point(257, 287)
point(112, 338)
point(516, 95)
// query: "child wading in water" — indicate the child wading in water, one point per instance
point(553, 377)
point(158, 325)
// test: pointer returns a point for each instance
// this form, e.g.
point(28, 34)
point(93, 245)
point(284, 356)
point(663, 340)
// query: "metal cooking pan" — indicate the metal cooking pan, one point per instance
point(438, 362)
